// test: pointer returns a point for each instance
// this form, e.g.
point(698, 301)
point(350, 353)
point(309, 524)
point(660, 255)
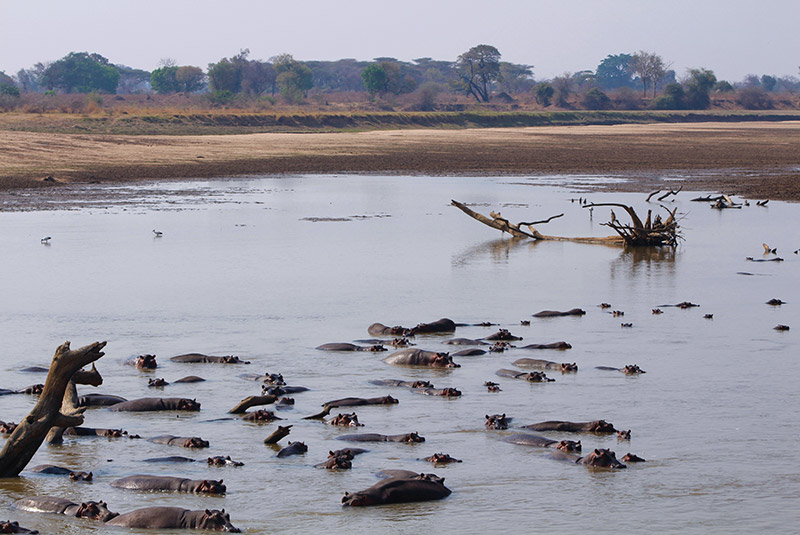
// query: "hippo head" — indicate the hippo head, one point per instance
point(492, 386)
point(13, 527)
point(632, 369)
point(217, 520)
point(7, 427)
point(301, 446)
point(499, 347)
point(537, 377)
point(569, 446)
point(389, 400)
point(401, 342)
point(263, 415)
point(274, 379)
point(285, 401)
point(146, 362)
point(444, 360)
point(219, 460)
point(566, 367)
point(450, 392)
point(195, 442)
point(34, 389)
point(272, 390)
point(421, 384)
point(601, 426)
point(602, 458)
point(80, 476)
point(429, 477)
point(211, 486)
point(339, 462)
point(114, 433)
point(188, 405)
point(346, 453)
point(358, 499)
point(624, 435)
point(442, 458)
point(377, 348)
point(631, 458)
point(496, 421)
point(413, 437)
point(160, 381)
point(230, 359)
point(95, 511)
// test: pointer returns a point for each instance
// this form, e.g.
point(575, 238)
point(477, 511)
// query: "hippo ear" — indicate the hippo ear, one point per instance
point(596, 451)
point(89, 477)
point(503, 416)
point(208, 512)
point(579, 443)
point(487, 417)
point(220, 482)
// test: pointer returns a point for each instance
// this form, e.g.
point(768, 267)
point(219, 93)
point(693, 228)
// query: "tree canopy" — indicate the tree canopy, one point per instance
point(478, 68)
point(81, 72)
point(615, 71)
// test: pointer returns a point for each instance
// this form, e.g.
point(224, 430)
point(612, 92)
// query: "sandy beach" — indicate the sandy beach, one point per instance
point(754, 159)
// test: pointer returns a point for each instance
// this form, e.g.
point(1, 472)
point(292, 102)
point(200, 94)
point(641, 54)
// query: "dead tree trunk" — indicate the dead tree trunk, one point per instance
point(69, 403)
point(649, 233)
point(33, 429)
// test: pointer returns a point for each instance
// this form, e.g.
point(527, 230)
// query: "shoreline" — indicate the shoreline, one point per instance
point(752, 159)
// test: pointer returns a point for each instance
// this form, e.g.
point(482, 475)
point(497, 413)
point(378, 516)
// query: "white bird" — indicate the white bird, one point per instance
point(158, 233)
point(46, 239)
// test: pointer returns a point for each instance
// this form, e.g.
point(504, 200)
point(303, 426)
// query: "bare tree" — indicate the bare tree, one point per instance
point(650, 68)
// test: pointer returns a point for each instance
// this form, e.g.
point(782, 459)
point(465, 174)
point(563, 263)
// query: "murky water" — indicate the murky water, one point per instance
point(270, 268)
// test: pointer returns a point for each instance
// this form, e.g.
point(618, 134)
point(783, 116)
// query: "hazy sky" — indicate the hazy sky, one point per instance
point(731, 37)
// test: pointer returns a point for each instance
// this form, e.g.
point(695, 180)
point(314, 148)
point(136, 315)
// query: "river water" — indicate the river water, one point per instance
point(270, 268)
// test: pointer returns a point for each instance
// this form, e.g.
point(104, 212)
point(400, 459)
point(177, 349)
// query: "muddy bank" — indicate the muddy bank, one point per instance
point(753, 159)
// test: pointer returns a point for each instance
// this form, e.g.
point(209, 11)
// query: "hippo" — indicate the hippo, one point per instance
point(526, 439)
point(345, 420)
point(443, 325)
point(683, 304)
point(6, 391)
point(352, 452)
point(351, 402)
point(35, 369)
point(630, 369)
point(472, 352)
point(631, 458)
point(499, 347)
point(351, 347)
point(399, 490)
point(74, 475)
point(280, 390)
point(51, 504)
point(408, 438)
point(198, 358)
point(562, 345)
point(596, 426)
point(497, 421)
point(443, 392)
point(34, 390)
point(294, 448)
point(556, 313)
point(157, 382)
point(279, 433)
point(624, 435)
point(336, 462)
point(465, 342)
point(776, 302)
point(781, 327)
point(219, 460)
point(401, 383)
point(601, 458)
point(503, 335)
point(275, 379)
point(260, 415)
point(174, 484)
point(531, 377)
point(190, 379)
point(186, 442)
point(157, 404)
point(79, 431)
point(420, 357)
point(99, 400)
point(538, 364)
point(377, 329)
point(175, 518)
point(492, 386)
point(13, 527)
point(407, 474)
point(6, 428)
point(440, 458)
point(170, 459)
point(143, 362)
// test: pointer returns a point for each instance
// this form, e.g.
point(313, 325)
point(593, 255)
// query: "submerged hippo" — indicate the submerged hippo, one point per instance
point(377, 329)
point(531, 377)
point(143, 362)
point(158, 382)
point(175, 518)
point(601, 458)
point(99, 400)
point(190, 379)
point(351, 402)
point(443, 392)
point(74, 475)
point(186, 442)
point(97, 432)
point(538, 364)
point(630, 369)
point(596, 426)
point(399, 490)
point(557, 313)
point(199, 358)
point(294, 448)
point(443, 325)
point(465, 342)
point(345, 420)
point(157, 404)
point(471, 352)
point(6, 428)
point(51, 504)
point(408, 438)
point(350, 347)
point(420, 357)
point(440, 458)
point(170, 459)
point(34, 390)
point(174, 484)
point(402, 383)
point(13, 527)
point(526, 439)
point(631, 458)
point(336, 462)
point(554, 345)
point(503, 335)
point(261, 415)
point(219, 460)
point(497, 421)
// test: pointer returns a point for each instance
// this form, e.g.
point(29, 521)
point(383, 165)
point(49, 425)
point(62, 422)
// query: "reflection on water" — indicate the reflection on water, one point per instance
point(268, 269)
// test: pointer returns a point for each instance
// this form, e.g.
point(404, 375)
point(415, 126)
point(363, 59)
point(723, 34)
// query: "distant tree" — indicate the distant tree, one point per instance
point(340, 75)
point(543, 93)
point(132, 80)
point(626, 98)
point(162, 80)
point(258, 77)
point(374, 78)
point(595, 99)
point(31, 79)
point(7, 85)
point(225, 75)
point(294, 79)
point(478, 69)
point(768, 82)
point(722, 87)
point(190, 79)
point(615, 71)
point(564, 87)
point(426, 96)
point(650, 68)
point(698, 85)
point(753, 98)
point(515, 78)
point(673, 98)
point(751, 80)
point(81, 72)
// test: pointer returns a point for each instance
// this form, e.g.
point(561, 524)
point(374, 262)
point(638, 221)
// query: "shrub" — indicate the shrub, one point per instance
point(9, 90)
point(673, 98)
point(754, 98)
point(626, 98)
point(595, 99)
point(221, 97)
point(543, 93)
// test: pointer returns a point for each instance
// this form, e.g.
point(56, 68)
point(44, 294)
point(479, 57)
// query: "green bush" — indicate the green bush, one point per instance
point(673, 98)
point(595, 99)
point(221, 97)
point(9, 90)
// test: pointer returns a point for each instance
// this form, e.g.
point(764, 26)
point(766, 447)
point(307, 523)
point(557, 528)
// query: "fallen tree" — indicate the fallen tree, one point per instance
point(55, 408)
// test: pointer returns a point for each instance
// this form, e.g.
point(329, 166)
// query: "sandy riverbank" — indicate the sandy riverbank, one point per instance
point(754, 159)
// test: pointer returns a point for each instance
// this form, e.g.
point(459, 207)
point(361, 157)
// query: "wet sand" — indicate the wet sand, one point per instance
point(755, 160)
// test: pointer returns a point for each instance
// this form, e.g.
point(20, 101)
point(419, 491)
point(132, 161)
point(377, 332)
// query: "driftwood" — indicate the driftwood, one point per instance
point(503, 225)
point(48, 412)
point(252, 401)
point(651, 232)
point(667, 194)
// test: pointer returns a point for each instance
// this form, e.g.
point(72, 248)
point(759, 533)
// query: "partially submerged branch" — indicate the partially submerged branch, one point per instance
point(651, 232)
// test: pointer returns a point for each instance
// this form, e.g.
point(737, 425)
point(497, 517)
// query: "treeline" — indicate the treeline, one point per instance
point(620, 81)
